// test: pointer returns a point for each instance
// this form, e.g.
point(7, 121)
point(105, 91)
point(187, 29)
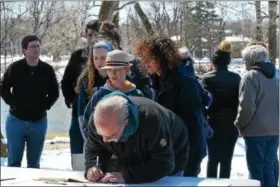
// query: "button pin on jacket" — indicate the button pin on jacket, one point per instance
point(163, 142)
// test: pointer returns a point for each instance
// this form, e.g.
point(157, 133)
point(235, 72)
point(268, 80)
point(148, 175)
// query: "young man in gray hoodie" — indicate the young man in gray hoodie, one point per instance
point(258, 115)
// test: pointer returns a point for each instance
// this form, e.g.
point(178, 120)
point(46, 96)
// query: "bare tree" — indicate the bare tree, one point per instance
point(10, 18)
point(144, 19)
point(42, 13)
point(85, 8)
point(272, 42)
point(259, 33)
point(107, 10)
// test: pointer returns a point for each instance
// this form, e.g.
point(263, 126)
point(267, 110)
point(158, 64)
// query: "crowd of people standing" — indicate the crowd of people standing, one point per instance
point(139, 117)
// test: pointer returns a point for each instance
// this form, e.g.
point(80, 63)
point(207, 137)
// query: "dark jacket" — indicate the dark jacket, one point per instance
point(140, 78)
point(86, 111)
point(99, 81)
point(34, 89)
point(157, 149)
point(178, 92)
point(223, 85)
point(188, 67)
point(76, 64)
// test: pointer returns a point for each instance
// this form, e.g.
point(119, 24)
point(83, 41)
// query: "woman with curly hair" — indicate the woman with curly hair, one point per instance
point(175, 88)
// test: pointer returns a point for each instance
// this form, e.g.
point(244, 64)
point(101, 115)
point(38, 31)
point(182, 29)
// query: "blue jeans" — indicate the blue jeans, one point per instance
point(20, 132)
point(76, 138)
point(261, 155)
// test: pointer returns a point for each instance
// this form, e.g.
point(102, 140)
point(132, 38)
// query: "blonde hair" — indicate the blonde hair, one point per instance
point(89, 73)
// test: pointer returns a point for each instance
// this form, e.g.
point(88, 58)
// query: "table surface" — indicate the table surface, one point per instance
point(27, 177)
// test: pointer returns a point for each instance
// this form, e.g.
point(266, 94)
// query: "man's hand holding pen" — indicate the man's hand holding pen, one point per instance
point(95, 174)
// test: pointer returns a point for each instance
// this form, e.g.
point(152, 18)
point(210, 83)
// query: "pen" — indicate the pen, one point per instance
point(6, 179)
point(97, 161)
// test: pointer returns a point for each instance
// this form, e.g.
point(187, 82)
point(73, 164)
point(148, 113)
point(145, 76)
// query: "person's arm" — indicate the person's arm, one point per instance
point(69, 79)
point(53, 90)
point(247, 105)
point(160, 161)
point(81, 105)
point(94, 149)
point(206, 97)
point(146, 91)
point(189, 66)
point(191, 112)
point(89, 110)
point(5, 87)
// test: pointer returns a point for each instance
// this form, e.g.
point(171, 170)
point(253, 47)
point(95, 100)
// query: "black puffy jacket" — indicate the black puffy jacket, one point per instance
point(224, 87)
point(157, 149)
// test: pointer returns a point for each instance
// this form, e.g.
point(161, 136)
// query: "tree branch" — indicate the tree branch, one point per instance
point(12, 25)
point(144, 19)
point(124, 5)
point(265, 14)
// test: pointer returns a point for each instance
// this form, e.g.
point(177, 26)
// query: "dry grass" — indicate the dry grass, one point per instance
point(53, 146)
point(53, 135)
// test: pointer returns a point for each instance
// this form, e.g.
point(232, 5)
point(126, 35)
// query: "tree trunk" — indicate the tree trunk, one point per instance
point(144, 19)
point(259, 36)
point(56, 55)
point(186, 11)
point(116, 18)
point(272, 41)
point(107, 10)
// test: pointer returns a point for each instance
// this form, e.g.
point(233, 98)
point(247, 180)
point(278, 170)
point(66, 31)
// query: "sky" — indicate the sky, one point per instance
point(232, 9)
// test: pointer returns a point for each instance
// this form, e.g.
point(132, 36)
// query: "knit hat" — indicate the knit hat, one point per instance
point(222, 54)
